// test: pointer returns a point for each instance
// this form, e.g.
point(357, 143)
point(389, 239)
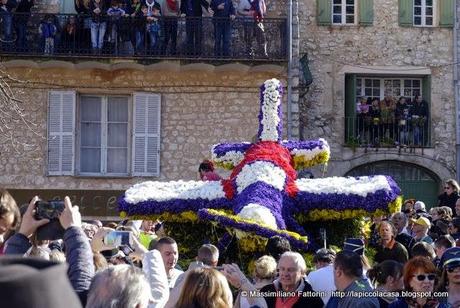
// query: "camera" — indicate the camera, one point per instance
point(118, 238)
point(48, 209)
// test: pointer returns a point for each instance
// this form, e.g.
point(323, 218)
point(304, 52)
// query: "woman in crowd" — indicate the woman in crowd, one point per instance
point(9, 216)
point(450, 278)
point(389, 248)
point(450, 195)
point(419, 276)
point(206, 171)
point(439, 222)
point(387, 277)
point(207, 288)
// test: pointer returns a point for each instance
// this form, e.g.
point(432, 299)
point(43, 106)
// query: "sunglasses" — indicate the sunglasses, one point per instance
point(423, 277)
point(447, 187)
point(452, 269)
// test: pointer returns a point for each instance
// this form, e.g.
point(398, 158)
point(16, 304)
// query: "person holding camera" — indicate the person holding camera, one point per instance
point(78, 251)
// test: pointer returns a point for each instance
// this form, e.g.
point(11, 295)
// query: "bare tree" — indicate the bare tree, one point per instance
point(13, 115)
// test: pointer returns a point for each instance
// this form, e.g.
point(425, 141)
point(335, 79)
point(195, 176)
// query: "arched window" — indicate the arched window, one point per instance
point(415, 181)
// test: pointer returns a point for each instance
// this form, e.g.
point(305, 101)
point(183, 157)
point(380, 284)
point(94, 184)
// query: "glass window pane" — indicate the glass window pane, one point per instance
point(352, 2)
point(338, 2)
point(117, 135)
point(117, 109)
point(90, 134)
point(417, 2)
point(429, 11)
point(407, 83)
point(368, 92)
point(90, 160)
point(368, 83)
point(350, 19)
point(376, 83)
point(337, 19)
point(407, 91)
point(337, 9)
point(90, 108)
point(429, 21)
point(376, 93)
point(350, 9)
point(396, 83)
point(416, 83)
point(429, 2)
point(417, 11)
point(417, 21)
point(117, 160)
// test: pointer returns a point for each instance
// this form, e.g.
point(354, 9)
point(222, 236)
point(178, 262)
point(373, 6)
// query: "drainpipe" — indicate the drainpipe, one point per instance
point(456, 96)
point(289, 77)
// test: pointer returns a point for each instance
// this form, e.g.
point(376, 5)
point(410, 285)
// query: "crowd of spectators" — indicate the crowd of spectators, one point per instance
point(129, 27)
point(403, 122)
point(415, 254)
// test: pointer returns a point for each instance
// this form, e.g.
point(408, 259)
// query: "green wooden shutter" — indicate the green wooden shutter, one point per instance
point(426, 95)
point(350, 106)
point(406, 13)
point(324, 12)
point(366, 12)
point(446, 13)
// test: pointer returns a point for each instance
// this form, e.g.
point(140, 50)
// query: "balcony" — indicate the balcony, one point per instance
point(67, 37)
point(405, 135)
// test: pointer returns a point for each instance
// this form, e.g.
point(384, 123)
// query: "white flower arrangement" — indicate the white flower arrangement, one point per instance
point(270, 118)
point(259, 214)
point(309, 154)
point(261, 171)
point(361, 186)
point(165, 191)
point(230, 157)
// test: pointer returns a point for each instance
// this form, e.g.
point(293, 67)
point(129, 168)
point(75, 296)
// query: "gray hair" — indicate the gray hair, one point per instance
point(119, 286)
point(208, 254)
point(401, 215)
point(298, 260)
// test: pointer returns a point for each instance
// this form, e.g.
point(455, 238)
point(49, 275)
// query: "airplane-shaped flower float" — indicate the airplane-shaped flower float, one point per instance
point(263, 197)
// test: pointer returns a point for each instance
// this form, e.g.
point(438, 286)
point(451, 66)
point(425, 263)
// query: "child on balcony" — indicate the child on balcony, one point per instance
point(48, 31)
point(152, 13)
point(115, 14)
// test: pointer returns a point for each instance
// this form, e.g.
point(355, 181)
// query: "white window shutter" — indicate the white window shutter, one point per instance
point(61, 132)
point(146, 134)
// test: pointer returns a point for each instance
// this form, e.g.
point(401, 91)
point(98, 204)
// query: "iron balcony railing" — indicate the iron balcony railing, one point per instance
point(367, 132)
point(208, 38)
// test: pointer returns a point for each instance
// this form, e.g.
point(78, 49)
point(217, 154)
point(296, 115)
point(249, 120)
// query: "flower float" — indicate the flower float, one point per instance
point(263, 197)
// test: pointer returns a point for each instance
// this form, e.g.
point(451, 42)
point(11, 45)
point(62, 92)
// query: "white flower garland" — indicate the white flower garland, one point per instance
point(361, 186)
point(270, 117)
point(231, 157)
point(260, 171)
point(310, 154)
point(165, 191)
point(259, 214)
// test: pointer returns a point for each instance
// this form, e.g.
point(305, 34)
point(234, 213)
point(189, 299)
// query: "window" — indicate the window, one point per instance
point(104, 132)
point(423, 13)
point(109, 135)
point(343, 12)
point(381, 87)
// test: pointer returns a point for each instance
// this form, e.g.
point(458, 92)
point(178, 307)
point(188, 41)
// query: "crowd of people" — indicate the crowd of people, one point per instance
point(134, 26)
point(403, 122)
point(416, 263)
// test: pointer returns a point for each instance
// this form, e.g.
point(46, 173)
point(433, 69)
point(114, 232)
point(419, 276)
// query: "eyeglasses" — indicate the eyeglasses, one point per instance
point(423, 277)
point(447, 187)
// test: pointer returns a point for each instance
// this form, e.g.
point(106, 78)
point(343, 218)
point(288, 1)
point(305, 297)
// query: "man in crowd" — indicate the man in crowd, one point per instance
point(170, 254)
point(276, 246)
point(399, 221)
point(322, 279)
point(420, 230)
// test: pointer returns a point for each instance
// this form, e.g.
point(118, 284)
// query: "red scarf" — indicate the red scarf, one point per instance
point(172, 5)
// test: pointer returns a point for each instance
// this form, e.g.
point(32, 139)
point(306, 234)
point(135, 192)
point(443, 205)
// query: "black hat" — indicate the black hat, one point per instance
point(354, 245)
point(451, 258)
point(38, 283)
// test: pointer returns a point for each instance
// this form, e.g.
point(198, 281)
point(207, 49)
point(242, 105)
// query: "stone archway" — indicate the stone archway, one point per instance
point(414, 180)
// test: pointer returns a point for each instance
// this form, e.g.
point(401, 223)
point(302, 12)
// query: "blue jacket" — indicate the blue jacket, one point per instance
point(78, 254)
point(228, 10)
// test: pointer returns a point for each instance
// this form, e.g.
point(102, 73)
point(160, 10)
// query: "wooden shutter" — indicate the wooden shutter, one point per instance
point(61, 132)
point(324, 12)
point(406, 13)
point(146, 136)
point(350, 106)
point(446, 13)
point(366, 12)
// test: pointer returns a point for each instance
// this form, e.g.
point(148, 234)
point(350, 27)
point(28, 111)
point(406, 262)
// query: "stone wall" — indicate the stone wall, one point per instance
point(199, 108)
point(334, 49)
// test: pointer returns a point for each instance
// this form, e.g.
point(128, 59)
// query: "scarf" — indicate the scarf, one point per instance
point(149, 7)
point(172, 5)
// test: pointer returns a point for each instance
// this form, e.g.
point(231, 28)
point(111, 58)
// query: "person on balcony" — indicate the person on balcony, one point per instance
point(375, 124)
point(48, 32)
point(153, 15)
point(419, 114)
point(402, 120)
point(192, 10)
point(253, 12)
point(98, 24)
point(6, 16)
point(114, 13)
point(69, 35)
point(364, 119)
point(387, 115)
point(20, 22)
point(170, 10)
point(224, 11)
